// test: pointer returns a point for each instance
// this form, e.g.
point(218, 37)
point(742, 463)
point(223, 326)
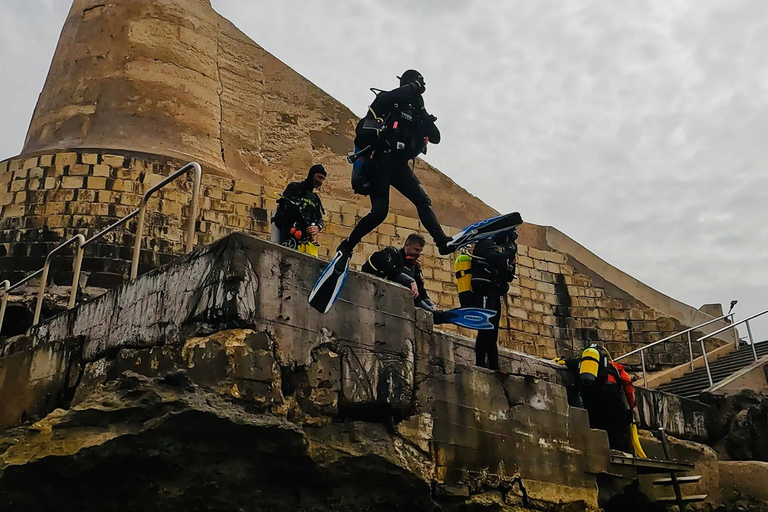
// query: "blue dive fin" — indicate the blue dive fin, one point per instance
point(485, 229)
point(471, 318)
point(329, 284)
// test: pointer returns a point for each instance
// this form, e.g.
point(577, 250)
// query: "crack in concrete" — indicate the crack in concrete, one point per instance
point(220, 92)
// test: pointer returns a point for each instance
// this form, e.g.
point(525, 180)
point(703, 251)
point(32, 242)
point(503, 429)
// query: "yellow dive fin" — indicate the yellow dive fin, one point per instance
point(636, 446)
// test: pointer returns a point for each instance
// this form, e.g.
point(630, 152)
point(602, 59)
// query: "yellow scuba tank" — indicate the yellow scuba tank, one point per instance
point(589, 365)
point(463, 269)
point(308, 248)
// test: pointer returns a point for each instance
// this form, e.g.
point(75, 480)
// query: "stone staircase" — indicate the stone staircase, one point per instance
point(692, 384)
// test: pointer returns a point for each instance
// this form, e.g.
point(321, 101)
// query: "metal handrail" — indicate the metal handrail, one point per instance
point(82, 243)
point(80, 239)
point(688, 331)
point(195, 167)
point(732, 326)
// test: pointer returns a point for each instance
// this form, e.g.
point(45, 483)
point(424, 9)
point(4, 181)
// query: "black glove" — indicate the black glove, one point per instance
point(418, 87)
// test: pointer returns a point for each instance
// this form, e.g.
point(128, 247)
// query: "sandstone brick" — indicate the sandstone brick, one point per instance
point(620, 314)
point(113, 160)
point(98, 183)
point(13, 210)
point(242, 210)
point(331, 205)
point(524, 261)
point(20, 174)
point(6, 198)
point(518, 313)
point(46, 161)
point(63, 159)
point(72, 182)
point(387, 229)
point(30, 163)
point(89, 158)
point(545, 287)
point(55, 208)
point(527, 283)
point(18, 185)
point(245, 186)
point(635, 314)
point(3, 166)
point(240, 197)
point(36, 172)
point(213, 192)
point(101, 170)
point(620, 336)
point(124, 186)
point(150, 180)
point(79, 170)
point(33, 184)
point(407, 222)
point(606, 325)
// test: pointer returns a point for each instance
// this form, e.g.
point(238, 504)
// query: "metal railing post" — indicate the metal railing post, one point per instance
point(80, 239)
point(690, 349)
point(706, 362)
point(82, 242)
point(197, 178)
point(4, 301)
point(76, 276)
point(642, 350)
point(751, 340)
point(137, 241)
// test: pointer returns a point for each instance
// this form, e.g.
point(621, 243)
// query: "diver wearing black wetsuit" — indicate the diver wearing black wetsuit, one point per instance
point(408, 129)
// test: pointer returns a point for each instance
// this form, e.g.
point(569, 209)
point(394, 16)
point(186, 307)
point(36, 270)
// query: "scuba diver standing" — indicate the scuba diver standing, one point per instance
point(299, 215)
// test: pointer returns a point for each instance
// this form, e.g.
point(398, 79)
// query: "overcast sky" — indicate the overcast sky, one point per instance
point(636, 128)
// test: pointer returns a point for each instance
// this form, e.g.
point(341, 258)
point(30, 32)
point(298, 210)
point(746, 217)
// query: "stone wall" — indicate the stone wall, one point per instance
point(551, 309)
point(225, 333)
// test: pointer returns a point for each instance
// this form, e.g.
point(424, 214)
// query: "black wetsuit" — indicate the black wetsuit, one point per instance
point(492, 269)
point(388, 164)
point(607, 403)
point(308, 212)
point(391, 263)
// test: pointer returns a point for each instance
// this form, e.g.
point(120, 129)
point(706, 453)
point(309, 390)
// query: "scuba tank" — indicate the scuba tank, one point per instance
point(591, 364)
point(463, 269)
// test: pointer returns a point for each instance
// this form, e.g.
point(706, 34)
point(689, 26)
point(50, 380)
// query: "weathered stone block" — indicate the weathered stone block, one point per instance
point(89, 158)
point(72, 182)
point(64, 159)
point(113, 160)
